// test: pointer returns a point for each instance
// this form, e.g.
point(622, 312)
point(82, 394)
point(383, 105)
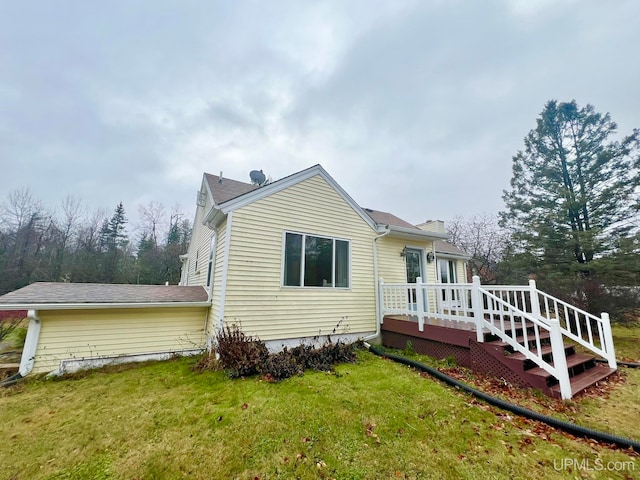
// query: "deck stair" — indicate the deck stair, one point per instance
point(583, 369)
point(516, 332)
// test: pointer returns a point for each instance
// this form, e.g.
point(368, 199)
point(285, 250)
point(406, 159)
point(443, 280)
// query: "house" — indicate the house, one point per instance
point(291, 261)
point(298, 259)
point(78, 325)
point(452, 261)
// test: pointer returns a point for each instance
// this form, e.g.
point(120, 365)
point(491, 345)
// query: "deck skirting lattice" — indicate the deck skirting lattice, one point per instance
point(424, 346)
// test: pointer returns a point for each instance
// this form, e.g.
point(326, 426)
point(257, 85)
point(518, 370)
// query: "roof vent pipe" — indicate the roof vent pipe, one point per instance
point(220, 177)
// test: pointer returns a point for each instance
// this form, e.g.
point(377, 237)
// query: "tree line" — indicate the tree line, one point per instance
point(571, 218)
point(571, 221)
point(70, 244)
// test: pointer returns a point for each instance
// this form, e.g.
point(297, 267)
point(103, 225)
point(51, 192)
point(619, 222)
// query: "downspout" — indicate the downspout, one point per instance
point(30, 344)
point(376, 283)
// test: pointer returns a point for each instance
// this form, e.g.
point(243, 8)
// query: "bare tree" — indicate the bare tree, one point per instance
point(64, 229)
point(25, 239)
point(152, 217)
point(86, 249)
point(19, 208)
point(482, 238)
point(68, 244)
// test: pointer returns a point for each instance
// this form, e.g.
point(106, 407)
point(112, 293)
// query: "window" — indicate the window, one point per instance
point(311, 261)
point(450, 296)
point(447, 271)
point(212, 255)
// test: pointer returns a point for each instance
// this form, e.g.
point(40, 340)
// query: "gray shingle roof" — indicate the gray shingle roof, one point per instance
point(445, 247)
point(384, 218)
point(77, 293)
point(228, 189)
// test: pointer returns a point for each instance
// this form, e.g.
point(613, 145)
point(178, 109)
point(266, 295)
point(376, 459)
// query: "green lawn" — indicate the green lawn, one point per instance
point(373, 419)
point(627, 342)
point(612, 406)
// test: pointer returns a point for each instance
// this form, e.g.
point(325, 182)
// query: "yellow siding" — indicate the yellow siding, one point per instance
point(461, 272)
point(391, 266)
point(217, 276)
point(83, 334)
point(255, 297)
point(199, 246)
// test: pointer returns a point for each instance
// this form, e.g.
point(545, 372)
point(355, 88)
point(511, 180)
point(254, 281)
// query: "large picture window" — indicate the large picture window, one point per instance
point(311, 261)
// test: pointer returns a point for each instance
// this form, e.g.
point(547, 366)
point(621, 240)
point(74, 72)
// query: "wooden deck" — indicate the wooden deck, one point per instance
point(442, 339)
point(436, 322)
point(439, 339)
point(456, 333)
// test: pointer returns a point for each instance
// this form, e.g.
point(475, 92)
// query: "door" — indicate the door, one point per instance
point(450, 297)
point(413, 262)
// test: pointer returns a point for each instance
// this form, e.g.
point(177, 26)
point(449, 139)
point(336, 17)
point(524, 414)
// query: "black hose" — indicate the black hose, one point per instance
point(571, 428)
point(622, 364)
point(12, 380)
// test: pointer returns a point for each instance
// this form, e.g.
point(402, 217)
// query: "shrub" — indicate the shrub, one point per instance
point(281, 365)
point(240, 355)
point(311, 358)
point(9, 321)
point(305, 357)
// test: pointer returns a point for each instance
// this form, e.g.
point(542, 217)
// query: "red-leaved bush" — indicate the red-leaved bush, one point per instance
point(12, 315)
point(9, 320)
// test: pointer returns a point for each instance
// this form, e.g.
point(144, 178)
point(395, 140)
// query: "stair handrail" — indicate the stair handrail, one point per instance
point(394, 299)
point(569, 317)
point(559, 368)
point(605, 334)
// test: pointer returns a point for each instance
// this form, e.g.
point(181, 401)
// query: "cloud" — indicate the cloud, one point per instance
point(414, 107)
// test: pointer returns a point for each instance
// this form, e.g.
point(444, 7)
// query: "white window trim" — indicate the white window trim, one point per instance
point(455, 269)
point(302, 261)
point(211, 265)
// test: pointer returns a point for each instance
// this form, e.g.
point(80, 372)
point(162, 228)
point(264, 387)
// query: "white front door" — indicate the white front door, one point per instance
point(413, 263)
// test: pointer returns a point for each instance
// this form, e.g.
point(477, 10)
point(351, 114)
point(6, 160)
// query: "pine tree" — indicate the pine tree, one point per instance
point(572, 189)
point(572, 208)
point(113, 243)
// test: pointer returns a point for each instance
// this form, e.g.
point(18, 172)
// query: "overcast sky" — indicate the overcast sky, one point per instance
point(414, 107)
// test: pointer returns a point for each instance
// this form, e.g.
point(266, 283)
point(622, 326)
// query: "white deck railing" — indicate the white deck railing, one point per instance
point(518, 315)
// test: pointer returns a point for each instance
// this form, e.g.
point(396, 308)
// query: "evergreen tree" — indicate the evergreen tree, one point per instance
point(148, 262)
point(177, 243)
point(572, 189)
point(571, 209)
point(113, 243)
